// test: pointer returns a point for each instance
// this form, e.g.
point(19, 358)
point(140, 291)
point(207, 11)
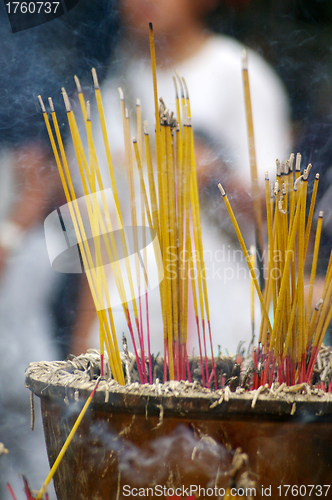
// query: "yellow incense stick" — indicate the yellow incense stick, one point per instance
point(252, 291)
point(246, 254)
point(94, 281)
point(311, 213)
point(173, 236)
point(313, 269)
point(197, 229)
point(67, 443)
point(252, 153)
point(114, 357)
point(186, 210)
point(326, 308)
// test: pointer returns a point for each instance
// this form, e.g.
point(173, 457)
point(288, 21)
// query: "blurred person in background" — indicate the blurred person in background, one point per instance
point(211, 65)
point(37, 305)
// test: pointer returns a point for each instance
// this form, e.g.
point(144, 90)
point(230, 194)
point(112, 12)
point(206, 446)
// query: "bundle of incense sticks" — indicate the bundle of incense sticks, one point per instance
point(170, 206)
point(288, 343)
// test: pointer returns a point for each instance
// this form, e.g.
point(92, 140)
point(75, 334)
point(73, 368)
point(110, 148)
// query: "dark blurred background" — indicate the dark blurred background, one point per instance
point(295, 36)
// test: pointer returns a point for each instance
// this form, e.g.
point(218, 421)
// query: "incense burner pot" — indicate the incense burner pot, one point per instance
point(178, 435)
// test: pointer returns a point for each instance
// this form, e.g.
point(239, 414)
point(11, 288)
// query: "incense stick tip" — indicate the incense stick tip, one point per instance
point(244, 59)
point(221, 189)
point(150, 27)
point(78, 84)
point(321, 214)
point(186, 88)
point(180, 82)
point(145, 127)
point(317, 176)
point(138, 102)
point(298, 162)
point(121, 93)
point(278, 167)
point(41, 104)
point(95, 78)
point(309, 167)
point(297, 182)
point(287, 167)
point(134, 140)
point(50, 102)
point(66, 99)
point(175, 88)
point(88, 111)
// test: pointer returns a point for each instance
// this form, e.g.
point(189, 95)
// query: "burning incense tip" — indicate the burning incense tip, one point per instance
point(287, 169)
point(138, 102)
point(50, 102)
point(134, 140)
point(145, 127)
point(66, 100)
point(121, 93)
point(291, 161)
point(266, 176)
point(319, 303)
point(185, 87)
point(221, 189)
point(244, 59)
point(317, 176)
point(278, 166)
point(78, 85)
point(321, 213)
point(297, 182)
point(95, 78)
point(41, 104)
point(180, 82)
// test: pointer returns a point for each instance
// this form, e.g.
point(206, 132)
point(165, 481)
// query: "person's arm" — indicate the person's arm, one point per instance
point(86, 316)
